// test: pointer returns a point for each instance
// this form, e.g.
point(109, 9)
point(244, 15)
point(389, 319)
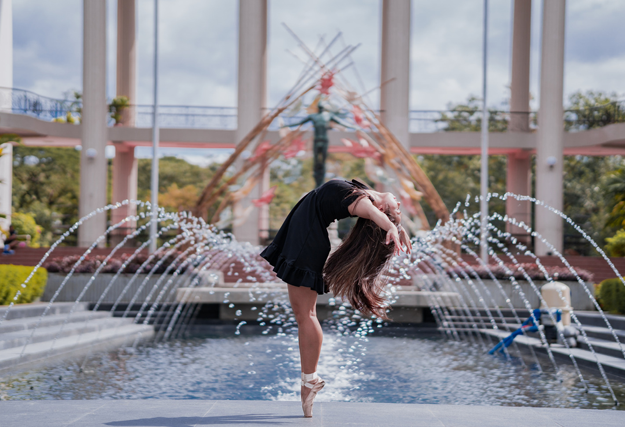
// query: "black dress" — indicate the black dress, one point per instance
point(301, 247)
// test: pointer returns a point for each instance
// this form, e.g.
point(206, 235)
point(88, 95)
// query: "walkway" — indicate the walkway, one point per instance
point(188, 413)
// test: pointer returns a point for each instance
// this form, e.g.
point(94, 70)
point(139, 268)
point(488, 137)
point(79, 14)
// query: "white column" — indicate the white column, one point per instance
point(518, 179)
point(93, 163)
point(549, 150)
point(125, 166)
point(6, 53)
point(252, 77)
point(6, 182)
point(395, 95)
point(126, 79)
point(6, 80)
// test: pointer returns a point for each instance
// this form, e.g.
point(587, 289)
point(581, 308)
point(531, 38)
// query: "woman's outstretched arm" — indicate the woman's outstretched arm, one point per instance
point(363, 208)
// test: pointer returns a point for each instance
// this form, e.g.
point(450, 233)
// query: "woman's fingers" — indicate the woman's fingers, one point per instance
point(406, 240)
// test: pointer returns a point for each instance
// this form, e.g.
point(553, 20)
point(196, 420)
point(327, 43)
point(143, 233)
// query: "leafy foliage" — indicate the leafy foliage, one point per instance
point(455, 177)
point(585, 199)
point(468, 118)
point(179, 199)
point(11, 279)
point(616, 244)
point(593, 109)
point(117, 107)
point(46, 185)
point(180, 183)
point(25, 224)
point(612, 295)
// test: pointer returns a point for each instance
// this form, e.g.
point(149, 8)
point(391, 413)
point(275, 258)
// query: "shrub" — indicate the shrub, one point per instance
point(90, 264)
point(25, 224)
point(616, 244)
point(612, 295)
point(11, 278)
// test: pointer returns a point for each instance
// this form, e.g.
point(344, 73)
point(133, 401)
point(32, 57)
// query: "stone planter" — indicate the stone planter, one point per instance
point(77, 283)
point(579, 298)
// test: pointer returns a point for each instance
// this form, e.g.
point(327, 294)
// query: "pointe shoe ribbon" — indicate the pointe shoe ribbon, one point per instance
point(314, 387)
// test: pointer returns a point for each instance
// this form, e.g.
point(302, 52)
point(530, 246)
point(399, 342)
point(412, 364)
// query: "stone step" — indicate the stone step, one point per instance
point(20, 311)
point(611, 364)
point(593, 318)
point(604, 333)
point(611, 348)
point(20, 338)
point(27, 323)
point(468, 324)
point(72, 346)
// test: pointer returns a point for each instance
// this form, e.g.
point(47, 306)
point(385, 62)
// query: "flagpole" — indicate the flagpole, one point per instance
point(484, 148)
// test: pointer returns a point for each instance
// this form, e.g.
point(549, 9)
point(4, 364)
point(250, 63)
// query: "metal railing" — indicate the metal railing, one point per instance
point(576, 120)
point(19, 101)
point(469, 120)
point(186, 116)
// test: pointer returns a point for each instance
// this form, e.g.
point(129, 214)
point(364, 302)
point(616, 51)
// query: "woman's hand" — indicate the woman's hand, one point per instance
point(393, 235)
point(405, 240)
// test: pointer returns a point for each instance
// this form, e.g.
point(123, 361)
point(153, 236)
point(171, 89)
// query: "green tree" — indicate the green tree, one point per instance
point(455, 177)
point(593, 109)
point(172, 170)
point(46, 185)
point(585, 200)
point(467, 117)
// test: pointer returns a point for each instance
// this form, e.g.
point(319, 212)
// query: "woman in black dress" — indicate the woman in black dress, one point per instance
point(299, 255)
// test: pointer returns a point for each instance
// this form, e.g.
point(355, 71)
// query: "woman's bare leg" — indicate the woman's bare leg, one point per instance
point(304, 304)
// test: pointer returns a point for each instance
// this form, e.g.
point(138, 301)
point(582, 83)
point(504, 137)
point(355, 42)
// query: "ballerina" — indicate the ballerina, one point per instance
point(299, 255)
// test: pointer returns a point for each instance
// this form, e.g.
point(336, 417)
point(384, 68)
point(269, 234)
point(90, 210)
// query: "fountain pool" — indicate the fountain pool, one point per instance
point(160, 293)
point(379, 369)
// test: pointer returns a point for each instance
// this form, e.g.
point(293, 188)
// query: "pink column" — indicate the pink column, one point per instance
point(124, 164)
point(518, 178)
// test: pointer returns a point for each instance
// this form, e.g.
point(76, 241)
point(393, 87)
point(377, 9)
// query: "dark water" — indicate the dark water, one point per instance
point(382, 369)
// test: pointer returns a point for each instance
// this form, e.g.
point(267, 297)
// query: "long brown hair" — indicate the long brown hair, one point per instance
point(354, 271)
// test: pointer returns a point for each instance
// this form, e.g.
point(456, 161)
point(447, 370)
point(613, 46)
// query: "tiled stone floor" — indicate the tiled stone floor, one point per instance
point(188, 413)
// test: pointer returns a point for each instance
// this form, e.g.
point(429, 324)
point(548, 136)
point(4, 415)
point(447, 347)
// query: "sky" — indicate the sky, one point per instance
point(198, 48)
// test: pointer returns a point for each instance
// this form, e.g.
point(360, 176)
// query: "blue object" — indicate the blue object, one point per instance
point(528, 326)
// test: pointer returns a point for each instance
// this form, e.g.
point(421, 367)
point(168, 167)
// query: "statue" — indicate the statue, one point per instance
point(321, 122)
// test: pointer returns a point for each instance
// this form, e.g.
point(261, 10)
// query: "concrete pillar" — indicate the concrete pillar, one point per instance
point(93, 163)
point(6, 53)
point(6, 182)
point(395, 95)
point(520, 79)
point(6, 81)
point(549, 150)
point(263, 211)
point(252, 77)
point(125, 173)
point(125, 166)
point(518, 179)
point(126, 81)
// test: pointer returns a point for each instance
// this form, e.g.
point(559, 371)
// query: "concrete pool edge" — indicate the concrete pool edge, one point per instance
point(182, 413)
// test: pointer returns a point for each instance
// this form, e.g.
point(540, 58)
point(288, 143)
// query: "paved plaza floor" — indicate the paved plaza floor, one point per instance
point(188, 413)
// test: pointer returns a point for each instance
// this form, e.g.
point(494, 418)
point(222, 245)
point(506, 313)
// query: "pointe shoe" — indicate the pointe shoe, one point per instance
point(307, 405)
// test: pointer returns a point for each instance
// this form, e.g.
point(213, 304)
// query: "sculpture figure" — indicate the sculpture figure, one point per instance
point(321, 122)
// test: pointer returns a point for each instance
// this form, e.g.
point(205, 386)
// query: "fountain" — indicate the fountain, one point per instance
point(163, 294)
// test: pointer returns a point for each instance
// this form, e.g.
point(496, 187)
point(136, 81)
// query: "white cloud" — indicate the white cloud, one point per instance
point(198, 53)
